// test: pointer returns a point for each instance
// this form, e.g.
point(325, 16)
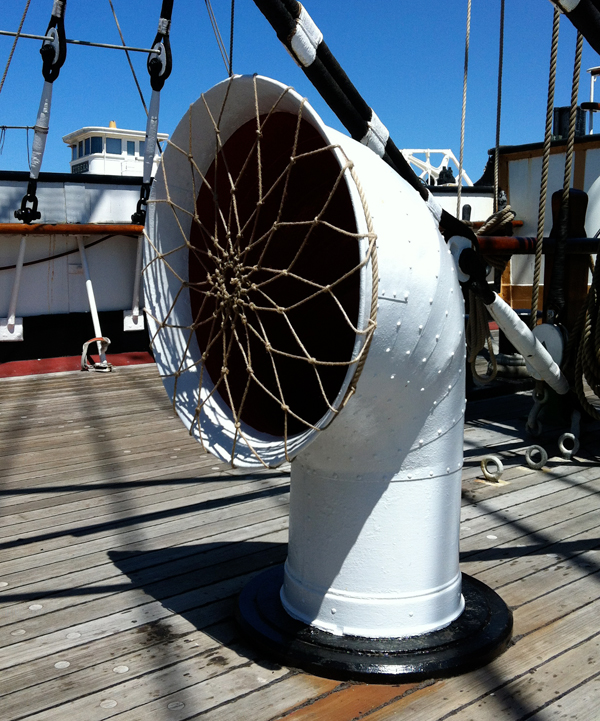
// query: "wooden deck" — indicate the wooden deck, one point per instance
point(123, 546)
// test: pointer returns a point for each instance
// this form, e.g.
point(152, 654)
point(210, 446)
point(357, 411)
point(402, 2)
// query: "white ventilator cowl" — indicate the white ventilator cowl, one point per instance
point(375, 483)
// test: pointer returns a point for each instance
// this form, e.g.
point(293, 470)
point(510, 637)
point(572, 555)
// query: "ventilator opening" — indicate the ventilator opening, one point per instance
point(274, 290)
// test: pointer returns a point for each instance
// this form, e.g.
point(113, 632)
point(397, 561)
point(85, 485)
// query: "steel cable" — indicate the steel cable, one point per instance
point(464, 109)
point(137, 85)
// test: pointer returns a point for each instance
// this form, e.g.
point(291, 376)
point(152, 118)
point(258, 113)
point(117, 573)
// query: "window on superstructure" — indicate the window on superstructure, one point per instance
point(142, 147)
point(80, 146)
point(87, 146)
point(130, 147)
point(96, 144)
point(114, 146)
point(73, 152)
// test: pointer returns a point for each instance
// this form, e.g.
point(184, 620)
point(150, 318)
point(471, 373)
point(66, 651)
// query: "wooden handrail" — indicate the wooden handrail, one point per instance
point(71, 229)
point(514, 245)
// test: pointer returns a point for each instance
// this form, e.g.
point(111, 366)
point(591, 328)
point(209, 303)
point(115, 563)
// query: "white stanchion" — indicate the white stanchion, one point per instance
point(91, 298)
point(11, 327)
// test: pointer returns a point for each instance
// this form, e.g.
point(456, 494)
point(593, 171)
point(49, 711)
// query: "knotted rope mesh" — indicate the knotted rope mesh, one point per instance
point(275, 263)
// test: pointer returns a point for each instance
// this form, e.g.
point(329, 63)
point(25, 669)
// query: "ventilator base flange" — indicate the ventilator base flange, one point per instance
point(478, 635)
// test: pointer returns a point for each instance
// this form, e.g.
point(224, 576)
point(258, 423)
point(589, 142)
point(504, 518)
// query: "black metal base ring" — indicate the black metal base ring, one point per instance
point(478, 635)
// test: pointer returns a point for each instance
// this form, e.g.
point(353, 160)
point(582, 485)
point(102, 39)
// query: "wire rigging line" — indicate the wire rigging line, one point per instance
point(84, 43)
point(14, 45)
point(137, 85)
point(218, 36)
point(499, 109)
point(231, 38)
point(464, 109)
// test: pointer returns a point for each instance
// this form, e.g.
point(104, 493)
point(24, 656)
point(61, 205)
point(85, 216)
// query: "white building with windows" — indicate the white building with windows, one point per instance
point(109, 151)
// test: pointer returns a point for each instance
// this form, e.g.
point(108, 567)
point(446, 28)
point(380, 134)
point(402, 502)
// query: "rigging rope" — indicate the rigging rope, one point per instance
point(464, 108)
point(218, 36)
point(582, 353)
point(583, 348)
point(304, 41)
point(137, 85)
point(499, 110)
point(556, 293)
point(478, 334)
point(535, 289)
point(14, 45)
point(555, 303)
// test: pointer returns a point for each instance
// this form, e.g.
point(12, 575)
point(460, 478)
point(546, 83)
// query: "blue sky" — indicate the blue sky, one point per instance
point(406, 58)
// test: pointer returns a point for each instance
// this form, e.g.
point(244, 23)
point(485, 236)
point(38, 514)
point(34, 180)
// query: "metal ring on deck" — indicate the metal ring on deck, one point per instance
point(568, 439)
point(530, 454)
point(492, 475)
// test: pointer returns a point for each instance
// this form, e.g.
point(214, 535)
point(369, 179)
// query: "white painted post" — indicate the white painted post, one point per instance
point(12, 327)
point(91, 298)
point(134, 320)
point(135, 308)
point(12, 308)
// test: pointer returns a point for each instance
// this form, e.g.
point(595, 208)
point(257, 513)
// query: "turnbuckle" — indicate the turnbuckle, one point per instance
point(25, 214)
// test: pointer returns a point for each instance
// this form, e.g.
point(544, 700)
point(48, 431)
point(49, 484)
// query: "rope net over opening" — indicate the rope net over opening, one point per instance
point(256, 270)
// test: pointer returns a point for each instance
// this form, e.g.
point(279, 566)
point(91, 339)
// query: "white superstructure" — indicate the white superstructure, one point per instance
point(109, 151)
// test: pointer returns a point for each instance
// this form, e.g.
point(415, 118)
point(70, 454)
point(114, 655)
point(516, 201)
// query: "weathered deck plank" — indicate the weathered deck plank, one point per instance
point(123, 547)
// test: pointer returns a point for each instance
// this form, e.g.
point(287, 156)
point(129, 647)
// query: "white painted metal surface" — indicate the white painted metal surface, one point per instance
point(104, 160)
point(375, 498)
point(57, 286)
point(41, 130)
point(528, 345)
